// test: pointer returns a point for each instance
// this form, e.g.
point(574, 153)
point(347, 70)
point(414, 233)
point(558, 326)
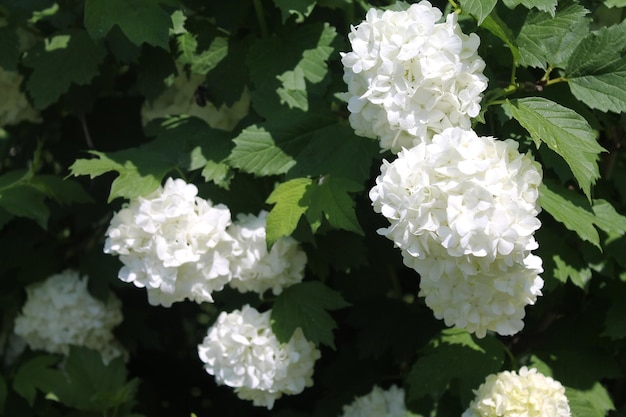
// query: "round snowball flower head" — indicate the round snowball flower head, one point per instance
point(242, 352)
point(173, 243)
point(14, 106)
point(60, 312)
point(471, 195)
point(185, 96)
point(256, 269)
point(524, 394)
point(378, 403)
point(469, 293)
point(411, 76)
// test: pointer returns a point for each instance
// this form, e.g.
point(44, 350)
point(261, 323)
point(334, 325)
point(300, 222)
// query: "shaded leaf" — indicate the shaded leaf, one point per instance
point(68, 58)
point(142, 21)
point(454, 355)
point(548, 6)
point(298, 8)
point(36, 374)
point(305, 305)
point(329, 199)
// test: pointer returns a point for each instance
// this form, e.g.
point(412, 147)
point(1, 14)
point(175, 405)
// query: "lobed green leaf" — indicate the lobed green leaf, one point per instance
point(477, 8)
point(37, 374)
point(548, 6)
point(454, 355)
point(564, 131)
point(290, 205)
point(142, 21)
point(595, 402)
point(67, 58)
point(306, 306)
point(551, 38)
point(596, 70)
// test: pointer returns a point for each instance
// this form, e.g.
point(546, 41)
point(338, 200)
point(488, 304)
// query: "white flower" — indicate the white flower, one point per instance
point(180, 98)
point(467, 292)
point(60, 312)
point(173, 243)
point(472, 195)
point(410, 77)
point(378, 403)
point(242, 352)
point(527, 394)
point(14, 106)
point(256, 269)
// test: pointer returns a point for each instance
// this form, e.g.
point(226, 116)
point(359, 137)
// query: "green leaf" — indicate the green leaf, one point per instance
point(283, 219)
point(142, 169)
point(91, 385)
point(494, 24)
point(291, 68)
point(328, 198)
point(312, 68)
point(615, 3)
point(142, 21)
point(595, 402)
point(298, 8)
point(548, 6)
point(477, 8)
point(454, 355)
point(564, 131)
point(22, 200)
point(575, 270)
point(68, 58)
point(305, 305)
point(596, 70)
point(62, 190)
point(576, 214)
point(336, 151)
point(36, 374)
point(271, 148)
point(552, 38)
point(571, 209)
point(201, 62)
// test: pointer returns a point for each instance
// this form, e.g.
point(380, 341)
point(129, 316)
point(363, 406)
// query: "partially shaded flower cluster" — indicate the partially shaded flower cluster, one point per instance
point(524, 394)
point(180, 246)
point(242, 352)
point(253, 267)
point(410, 76)
point(378, 403)
point(186, 96)
point(60, 312)
point(463, 209)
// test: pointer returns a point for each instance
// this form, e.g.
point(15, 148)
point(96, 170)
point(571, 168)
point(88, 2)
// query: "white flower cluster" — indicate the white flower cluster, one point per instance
point(256, 269)
point(463, 209)
point(180, 246)
point(527, 394)
point(181, 98)
point(14, 106)
point(410, 77)
point(60, 312)
point(173, 243)
point(242, 352)
point(378, 403)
